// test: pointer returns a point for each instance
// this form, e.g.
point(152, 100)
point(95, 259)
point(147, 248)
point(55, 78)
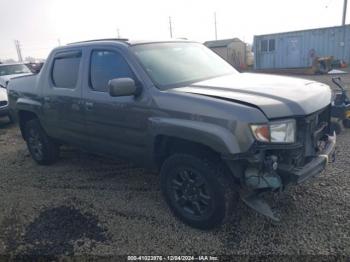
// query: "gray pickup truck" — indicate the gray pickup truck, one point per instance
point(214, 134)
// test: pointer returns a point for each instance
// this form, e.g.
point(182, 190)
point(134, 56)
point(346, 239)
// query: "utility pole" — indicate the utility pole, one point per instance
point(118, 32)
point(170, 27)
point(343, 24)
point(19, 51)
point(344, 11)
point(216, 30)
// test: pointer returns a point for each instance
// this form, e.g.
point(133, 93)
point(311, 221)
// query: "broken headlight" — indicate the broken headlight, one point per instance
point(275, 132)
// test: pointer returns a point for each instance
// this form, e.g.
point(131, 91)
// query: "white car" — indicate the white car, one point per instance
point(7, 72)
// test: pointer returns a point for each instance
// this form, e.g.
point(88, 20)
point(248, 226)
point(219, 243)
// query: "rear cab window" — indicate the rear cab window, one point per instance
point(65, 69)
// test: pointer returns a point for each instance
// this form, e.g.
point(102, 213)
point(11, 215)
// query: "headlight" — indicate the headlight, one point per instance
point(275, 132)
point(3, 93)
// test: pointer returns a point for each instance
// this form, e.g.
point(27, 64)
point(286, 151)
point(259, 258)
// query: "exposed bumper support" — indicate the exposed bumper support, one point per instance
point(314, 167)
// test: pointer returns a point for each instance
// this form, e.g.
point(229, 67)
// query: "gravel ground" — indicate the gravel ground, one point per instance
point(91, 205)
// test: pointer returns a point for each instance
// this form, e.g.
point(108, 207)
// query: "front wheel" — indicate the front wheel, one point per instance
point(41, 147)
point(198, 191)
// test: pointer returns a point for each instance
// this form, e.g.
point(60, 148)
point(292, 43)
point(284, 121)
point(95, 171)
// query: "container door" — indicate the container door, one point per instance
point(293, 52)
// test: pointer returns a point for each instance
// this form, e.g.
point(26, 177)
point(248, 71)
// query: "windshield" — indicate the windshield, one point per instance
point(13, 69)
point(174, 64)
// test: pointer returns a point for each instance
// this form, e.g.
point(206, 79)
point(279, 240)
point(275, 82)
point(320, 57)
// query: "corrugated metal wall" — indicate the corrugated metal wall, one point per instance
point(297, 49)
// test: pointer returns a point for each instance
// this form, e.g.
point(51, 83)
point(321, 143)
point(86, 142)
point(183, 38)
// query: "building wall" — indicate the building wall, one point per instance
point(221, 51)
point(298, 49)
point(237, 54)
point(234, 53)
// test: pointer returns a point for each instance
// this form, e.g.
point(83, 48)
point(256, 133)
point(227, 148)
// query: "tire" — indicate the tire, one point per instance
point(42, 148)
point(199, 192)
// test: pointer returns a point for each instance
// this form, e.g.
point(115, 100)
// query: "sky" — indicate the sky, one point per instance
point(41, 25)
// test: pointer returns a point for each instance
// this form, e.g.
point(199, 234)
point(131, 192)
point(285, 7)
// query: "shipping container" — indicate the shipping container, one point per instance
point(298, 49)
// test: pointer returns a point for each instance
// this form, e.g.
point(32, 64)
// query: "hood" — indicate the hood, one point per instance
point(276, 96)
point(6, 78)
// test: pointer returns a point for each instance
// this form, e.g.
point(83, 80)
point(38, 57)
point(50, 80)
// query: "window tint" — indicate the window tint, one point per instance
point(271, 45)
point(65, 71)
point(263, 46)
point(105, 66)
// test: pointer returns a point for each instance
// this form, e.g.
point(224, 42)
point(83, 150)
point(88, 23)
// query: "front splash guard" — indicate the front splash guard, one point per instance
point(257, 203)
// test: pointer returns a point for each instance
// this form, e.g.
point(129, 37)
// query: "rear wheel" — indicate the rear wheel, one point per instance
point(41, 147)
point(198, 191)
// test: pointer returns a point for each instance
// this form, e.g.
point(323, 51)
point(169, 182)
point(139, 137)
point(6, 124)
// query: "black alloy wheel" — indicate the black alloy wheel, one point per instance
point(191, 192)
point(41, 147)
point(198, 190)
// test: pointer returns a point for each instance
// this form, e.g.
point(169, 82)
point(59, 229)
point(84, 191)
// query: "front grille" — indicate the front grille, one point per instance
point(311, 129)
point(3, 103)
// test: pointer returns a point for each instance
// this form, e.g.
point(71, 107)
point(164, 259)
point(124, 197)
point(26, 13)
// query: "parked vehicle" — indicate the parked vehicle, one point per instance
point(7, 72)
point(35, 67)
point(340, 107)
point(4, 108)
point(212, 132)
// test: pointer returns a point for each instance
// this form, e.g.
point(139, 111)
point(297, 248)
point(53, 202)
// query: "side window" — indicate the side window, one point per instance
point(65, 70)
point(268, 45)
point(105, 66)
point(263, 45)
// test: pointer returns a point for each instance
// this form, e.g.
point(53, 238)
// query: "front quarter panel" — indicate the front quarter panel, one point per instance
point(221, 125)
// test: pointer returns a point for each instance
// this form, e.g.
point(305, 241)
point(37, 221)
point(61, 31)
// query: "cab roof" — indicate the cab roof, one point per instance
point(127, 41)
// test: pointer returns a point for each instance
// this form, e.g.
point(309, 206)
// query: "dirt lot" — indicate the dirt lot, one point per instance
point(90, 205)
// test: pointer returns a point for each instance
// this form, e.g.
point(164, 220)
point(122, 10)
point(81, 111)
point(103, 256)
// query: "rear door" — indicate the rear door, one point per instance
point(62, 105)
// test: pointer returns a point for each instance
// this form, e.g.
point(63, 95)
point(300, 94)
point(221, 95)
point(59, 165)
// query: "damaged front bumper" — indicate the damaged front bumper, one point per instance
point(256, 182)
point(299, 175)
point(282, 175)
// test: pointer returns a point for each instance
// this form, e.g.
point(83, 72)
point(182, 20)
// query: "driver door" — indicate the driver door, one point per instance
point(116, 125)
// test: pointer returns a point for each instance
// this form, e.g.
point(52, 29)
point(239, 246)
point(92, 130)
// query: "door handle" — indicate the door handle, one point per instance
point(89, 105)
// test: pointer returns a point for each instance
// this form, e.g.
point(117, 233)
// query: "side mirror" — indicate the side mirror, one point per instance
point(122, 87)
